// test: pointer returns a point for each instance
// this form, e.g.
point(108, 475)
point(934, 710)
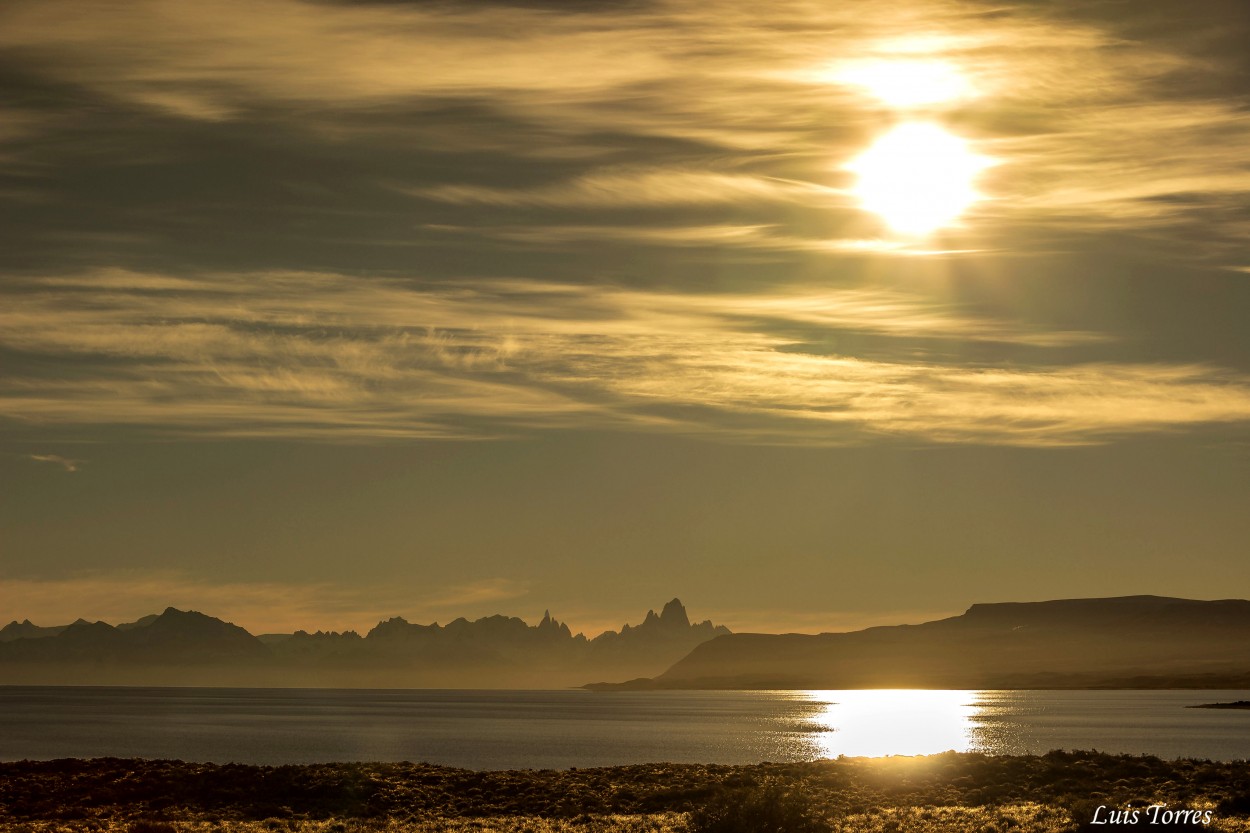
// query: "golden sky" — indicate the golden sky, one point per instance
point(816, 314)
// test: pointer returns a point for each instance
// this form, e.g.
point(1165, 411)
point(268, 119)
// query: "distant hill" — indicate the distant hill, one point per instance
point(174, 637)
point(186, 647)
point(25, 629)
point(1125, 642)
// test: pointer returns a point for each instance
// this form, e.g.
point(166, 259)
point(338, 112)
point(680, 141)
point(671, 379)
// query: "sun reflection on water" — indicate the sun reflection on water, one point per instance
point(879, 722)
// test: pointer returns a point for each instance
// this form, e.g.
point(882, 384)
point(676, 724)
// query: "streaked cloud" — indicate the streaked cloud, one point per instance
point(634, 188)
point(339, 222)
point(1087, 122)
point(761, 237)
point(333, 357)
point(1120, 163)
point(456, 599)
point(463, 141)
point(66, 463)
point(201, 61)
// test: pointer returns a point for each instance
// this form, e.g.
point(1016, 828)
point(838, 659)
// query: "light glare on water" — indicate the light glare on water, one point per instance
point(560, 729)
point(876, 722)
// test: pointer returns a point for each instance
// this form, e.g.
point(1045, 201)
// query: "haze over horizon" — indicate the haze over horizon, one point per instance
point(317, 313)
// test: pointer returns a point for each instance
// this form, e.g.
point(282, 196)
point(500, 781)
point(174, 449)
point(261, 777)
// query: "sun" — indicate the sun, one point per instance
point(918, 177)
point(906, 83)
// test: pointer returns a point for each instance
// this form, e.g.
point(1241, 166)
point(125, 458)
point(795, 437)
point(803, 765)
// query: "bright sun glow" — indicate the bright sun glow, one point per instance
point(873, 723)
point(918, 177)
point(907, 82)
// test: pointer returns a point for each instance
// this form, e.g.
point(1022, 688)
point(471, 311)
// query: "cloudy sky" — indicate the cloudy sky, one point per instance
point(816, 315)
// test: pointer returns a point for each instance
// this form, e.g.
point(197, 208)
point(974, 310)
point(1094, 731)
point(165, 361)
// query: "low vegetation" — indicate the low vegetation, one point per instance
point(773, 807)
point(1050, 793)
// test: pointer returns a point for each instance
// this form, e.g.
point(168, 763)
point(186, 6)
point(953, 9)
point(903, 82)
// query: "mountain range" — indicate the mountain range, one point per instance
point(1123, 642)
point(189, 648)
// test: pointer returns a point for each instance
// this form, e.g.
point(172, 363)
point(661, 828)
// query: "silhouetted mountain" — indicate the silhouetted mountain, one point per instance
point(1133, 641)
point(174, 637)
point(506, 646)
point(28, 630)
point(25, 629)
point(668, 634)
point(81, 640)
point(312, 646)
point(139, 623)
point(493, 651)
point(177, 633)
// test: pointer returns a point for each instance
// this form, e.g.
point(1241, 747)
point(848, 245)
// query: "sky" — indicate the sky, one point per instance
point(815, 315)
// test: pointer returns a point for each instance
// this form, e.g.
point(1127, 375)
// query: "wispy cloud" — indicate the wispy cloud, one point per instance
point(634, 188)
point(673, 128)
point(758, 237)
point(1129, 164)
point(201, 62)
point(324, 356)
point(1086, 121)
point(456, 599)
point(56, 459)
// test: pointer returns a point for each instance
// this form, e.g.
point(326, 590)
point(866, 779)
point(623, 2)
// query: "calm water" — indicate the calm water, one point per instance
point(560, 729)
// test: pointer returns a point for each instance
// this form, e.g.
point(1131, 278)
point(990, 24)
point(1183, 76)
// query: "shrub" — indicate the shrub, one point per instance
point(769, 809)
point(147, 826)
point(1234, 805)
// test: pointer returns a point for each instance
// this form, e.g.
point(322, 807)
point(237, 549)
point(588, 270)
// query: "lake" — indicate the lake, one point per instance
point(561, 729)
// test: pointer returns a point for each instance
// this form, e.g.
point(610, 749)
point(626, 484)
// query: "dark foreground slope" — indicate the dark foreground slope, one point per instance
point(82, 794)
point(1128, 642)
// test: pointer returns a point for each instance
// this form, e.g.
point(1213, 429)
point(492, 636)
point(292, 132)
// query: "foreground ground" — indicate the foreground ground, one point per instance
point(949, 792)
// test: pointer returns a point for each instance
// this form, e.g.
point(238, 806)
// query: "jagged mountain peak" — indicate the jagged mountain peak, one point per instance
point(553, 627)
point(172, 617)
point(461, 653)
point(27, 629)
point(83, 625)
point(397, 627)
point(674, 615)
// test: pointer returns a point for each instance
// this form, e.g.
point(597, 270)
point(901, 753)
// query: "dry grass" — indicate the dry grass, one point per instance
point(946, 793)
point(655, 823)
point(1014, 818)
